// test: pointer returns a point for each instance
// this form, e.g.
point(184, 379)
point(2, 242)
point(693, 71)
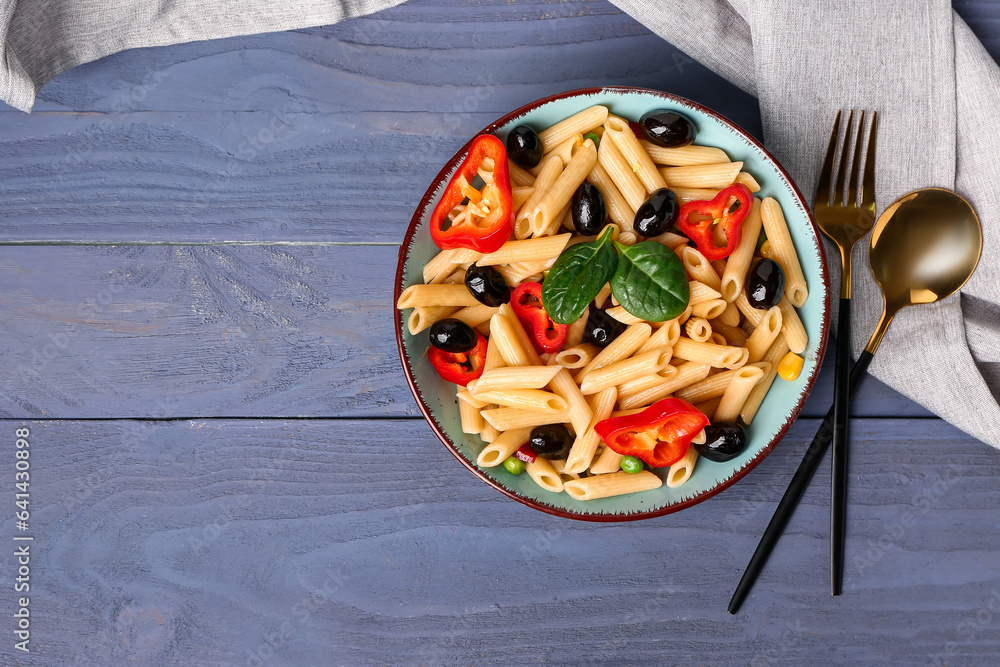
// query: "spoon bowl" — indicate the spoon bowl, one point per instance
point(924, 247)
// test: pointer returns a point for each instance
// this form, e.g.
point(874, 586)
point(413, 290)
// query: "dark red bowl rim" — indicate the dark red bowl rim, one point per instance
point(557, 511)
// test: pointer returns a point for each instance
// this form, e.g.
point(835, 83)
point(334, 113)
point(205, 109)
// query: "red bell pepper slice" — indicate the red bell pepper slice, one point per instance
point(460, 367)
point(525, 453)
point(718, 220)
point(486, 222)
point(659, 435)
point(547, 336)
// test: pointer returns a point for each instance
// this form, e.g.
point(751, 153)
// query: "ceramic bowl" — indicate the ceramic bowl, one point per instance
point(436, 398)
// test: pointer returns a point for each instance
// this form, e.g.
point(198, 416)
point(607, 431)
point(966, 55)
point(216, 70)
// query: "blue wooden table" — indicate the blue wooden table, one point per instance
point(226, 464)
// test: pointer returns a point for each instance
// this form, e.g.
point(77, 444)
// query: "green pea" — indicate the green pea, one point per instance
point(593, 137)
point(514, 466)
point(631, 464)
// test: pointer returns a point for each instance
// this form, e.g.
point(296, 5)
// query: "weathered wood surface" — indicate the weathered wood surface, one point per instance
point(194, 542)
point(223, 331)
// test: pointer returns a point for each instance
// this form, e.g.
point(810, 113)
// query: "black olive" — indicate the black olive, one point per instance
point(602, 328)
point(453, 335)
point(551, 442)
point(765, 284)
point(657, 214)
point(667, 128)
point(588, 209)
point(487, 284)
point(724, 441)
point(524, 147)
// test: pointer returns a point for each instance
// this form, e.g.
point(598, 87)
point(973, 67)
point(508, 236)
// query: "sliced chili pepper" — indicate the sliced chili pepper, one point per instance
point(547, 336)
point(486, 221)
point(715, 225)
point(659, 435)
point(525, 453)
point(460, 367)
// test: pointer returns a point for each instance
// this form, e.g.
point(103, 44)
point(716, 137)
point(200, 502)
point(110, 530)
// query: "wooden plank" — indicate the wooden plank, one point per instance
point(187, 331)
point(398, 59)
point(329, 134)
point(357, 542)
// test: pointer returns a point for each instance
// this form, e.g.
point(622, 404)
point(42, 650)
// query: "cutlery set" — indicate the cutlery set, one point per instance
point(923, 248)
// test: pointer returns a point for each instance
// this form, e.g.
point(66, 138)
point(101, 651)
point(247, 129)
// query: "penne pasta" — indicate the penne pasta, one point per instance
point(515, 377)
point(709, 310)
point(519, 177)
point(544, 474)
point(714, 386)
point(615, 484)
point(621, 174)
point(685, 156)
point(718, 356)
point(416, 296)
point(620, 348)
point(502, 447)
point(635, 156)
point(687, 374)
point(525, 399)
point(526, 250)
point(738, 263)
point(559, 194)
point(625, 370)
point(699, 269)
point(701, 176)
point(472, 420)
point(784, 251)
point(748, 180)
point(574, 334)
point(698, 329)
point(551, 167)
point(474, 315)
point(505, 419)
point(581, 454)
point(577, 356)
point(578, 123)
point(792, 327)
point(681, 471)
point(737, 392)
point(774, 355)
point(618, 209)
point(764, 334)
point(423, 317)
point(580, 413)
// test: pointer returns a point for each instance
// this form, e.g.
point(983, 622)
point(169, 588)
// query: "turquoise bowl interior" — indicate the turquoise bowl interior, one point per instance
point(436, 398)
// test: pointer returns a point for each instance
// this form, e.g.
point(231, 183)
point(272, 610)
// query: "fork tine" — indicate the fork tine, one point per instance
point(838, 195)
point(823, 188)
point(852, 193)
point(868, 186)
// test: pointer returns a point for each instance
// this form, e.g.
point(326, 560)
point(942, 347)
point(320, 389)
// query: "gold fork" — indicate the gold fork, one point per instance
point(845, 222)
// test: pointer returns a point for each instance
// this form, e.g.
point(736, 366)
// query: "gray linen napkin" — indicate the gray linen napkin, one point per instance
point(937, 91)
point(42, 39)
point(934, 86)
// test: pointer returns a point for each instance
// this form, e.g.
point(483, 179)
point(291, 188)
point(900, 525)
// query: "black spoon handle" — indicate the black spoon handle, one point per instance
point(838, 488)
point(814, 454)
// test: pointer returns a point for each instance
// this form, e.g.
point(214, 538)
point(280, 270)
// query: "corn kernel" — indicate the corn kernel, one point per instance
point(790, 366)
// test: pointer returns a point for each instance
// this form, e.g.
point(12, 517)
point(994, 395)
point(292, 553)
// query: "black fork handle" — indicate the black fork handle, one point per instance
point(838, 489)
point(793, 494)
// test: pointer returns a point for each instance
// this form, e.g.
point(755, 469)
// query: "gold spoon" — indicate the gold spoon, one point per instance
point(924, 247)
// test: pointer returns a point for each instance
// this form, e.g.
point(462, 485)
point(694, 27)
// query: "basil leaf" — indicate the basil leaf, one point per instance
point(576, 278)
point(650, 281)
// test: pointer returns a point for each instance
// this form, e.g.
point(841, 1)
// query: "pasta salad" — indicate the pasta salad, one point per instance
point(610, 299)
